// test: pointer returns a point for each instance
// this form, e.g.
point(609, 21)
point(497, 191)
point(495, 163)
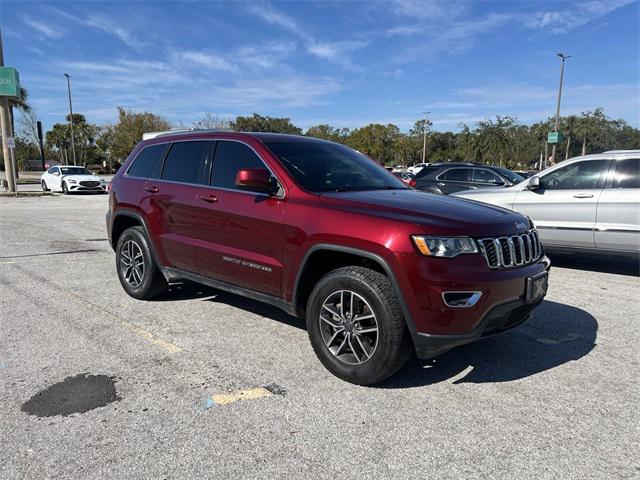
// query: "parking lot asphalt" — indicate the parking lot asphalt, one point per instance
point(204, 384)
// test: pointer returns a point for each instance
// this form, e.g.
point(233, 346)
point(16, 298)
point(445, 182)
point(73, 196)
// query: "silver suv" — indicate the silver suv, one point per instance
point(589, 203)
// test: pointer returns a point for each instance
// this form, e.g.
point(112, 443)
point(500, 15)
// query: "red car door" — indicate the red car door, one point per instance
point(172, 202)
point(240, 233)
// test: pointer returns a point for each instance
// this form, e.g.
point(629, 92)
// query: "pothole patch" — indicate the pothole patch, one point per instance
point(77, 394)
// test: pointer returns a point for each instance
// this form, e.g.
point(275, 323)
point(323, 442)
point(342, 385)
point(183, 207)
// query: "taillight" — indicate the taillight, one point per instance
point(412, 183)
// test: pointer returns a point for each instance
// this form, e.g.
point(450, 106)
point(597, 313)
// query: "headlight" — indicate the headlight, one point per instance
point(71, 180)
point(445, 247)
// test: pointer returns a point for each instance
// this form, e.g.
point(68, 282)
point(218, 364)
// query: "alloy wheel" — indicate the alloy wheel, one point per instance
point(349, 327)
point(132, 265)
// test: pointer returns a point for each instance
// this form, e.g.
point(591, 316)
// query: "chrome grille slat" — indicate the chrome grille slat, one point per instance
point(512, 251)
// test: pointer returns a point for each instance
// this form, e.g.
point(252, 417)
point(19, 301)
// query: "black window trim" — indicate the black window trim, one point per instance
point(211, 156)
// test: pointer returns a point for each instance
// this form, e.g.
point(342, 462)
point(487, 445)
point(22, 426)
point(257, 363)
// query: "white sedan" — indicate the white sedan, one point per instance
point(67, 179)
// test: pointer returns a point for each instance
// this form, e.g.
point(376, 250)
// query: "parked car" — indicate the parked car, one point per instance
point(404, 176)
point(446, 178)
point(416, 168)
point(68, 179)
point(588, 204)
point(377, 269)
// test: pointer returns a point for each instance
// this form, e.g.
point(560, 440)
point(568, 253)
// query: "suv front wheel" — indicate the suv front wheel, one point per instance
point(137, 270)
point(356, 327)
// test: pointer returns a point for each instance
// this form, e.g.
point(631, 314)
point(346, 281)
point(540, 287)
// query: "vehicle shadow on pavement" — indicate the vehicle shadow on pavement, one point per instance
point(619, 266)
point(190, 291)
point(556, 334)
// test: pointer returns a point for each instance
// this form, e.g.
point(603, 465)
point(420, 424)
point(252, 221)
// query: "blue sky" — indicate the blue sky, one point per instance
point(344, 63)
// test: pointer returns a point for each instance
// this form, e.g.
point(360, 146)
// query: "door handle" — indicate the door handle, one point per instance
point(209, 198)
point(152, 189)
point(583, 195)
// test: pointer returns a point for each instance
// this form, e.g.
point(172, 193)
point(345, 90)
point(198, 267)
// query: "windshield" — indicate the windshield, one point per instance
point(328, 167)
point(74, 171)
point(513, 177)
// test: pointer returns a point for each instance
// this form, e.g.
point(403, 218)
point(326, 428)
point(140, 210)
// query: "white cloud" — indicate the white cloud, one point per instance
point(561, 21)
point(114, 28)
point(202, 59)
point(45, 29)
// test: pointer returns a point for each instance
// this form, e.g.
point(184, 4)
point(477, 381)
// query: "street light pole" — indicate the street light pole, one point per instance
point(563, 57)
point(73, 140)
point(424, 136)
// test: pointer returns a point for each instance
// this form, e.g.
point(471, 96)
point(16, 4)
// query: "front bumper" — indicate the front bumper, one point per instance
point(82, 188)
point(498, 320)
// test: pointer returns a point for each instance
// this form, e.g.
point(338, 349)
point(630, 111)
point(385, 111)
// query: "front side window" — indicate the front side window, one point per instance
point(229, 158)
point(627, 174)
point(185, 162)
point(52, 170)
point(74, 171)
point(329, 167)
point(583, 175)
point(147, 163)
point(457, 175)
point(482, 175)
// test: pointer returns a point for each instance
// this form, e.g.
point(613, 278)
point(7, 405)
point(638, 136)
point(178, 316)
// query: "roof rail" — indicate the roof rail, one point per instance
point(150, 135)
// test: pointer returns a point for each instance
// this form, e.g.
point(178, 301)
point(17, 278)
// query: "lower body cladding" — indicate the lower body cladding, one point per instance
point(484, 303)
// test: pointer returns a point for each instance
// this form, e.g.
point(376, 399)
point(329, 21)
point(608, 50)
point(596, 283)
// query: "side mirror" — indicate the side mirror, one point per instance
point(56, 173)
point(534, 183)
point(256, 180)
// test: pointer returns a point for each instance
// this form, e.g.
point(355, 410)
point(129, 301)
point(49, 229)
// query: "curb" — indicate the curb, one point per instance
point(25, 194)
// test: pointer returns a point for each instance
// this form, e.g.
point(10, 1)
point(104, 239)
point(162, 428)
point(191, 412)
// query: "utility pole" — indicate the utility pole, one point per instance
point(424, 136)
point(5, 126)
point(563, 57)
point(73, 140)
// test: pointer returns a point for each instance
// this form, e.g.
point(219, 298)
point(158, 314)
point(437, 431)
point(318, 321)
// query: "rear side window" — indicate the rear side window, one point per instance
point(457, 175)
point(229, 158)
point(185, 162)
point(627, 174)
point(147, 163)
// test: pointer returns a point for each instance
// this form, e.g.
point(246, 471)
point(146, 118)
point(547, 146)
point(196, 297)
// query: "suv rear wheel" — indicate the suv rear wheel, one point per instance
point(137, 271)
point(356, 327)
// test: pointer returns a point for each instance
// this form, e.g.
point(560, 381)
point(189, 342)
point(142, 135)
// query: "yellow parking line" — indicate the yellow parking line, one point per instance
point(251, 394)
point(138, 330)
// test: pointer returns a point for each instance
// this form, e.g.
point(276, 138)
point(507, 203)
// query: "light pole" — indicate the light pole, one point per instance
point(563, 57)
point(73, 140)
point(424, 136)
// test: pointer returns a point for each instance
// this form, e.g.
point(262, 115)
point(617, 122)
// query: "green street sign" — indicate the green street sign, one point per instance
point(554, 137)
point(9, 82)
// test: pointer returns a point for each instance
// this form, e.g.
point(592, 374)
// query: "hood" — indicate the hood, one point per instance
point(436, 214)
point(83, 178)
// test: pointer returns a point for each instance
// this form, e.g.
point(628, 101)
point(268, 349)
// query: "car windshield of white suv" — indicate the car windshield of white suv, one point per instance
point(74, 171)
point(328, 167)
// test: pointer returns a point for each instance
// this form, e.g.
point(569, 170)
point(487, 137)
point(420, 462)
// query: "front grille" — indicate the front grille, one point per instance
point(513, 251)
point(90, 183)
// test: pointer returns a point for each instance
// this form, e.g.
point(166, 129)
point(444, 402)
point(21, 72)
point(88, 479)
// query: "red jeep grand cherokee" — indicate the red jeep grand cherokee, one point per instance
point(313, 227)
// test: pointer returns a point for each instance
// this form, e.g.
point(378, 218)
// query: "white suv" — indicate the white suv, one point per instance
point(589, 203)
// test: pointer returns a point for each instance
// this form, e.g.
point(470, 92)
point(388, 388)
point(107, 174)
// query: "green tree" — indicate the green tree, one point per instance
point(258, 123)
point(377, 141)
point(327, 132)
point(127, 132)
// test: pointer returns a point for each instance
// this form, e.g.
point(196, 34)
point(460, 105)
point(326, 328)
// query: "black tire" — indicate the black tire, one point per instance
point(44, 186)
point(393, 347)
point(65, 189)
point(152, 283)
